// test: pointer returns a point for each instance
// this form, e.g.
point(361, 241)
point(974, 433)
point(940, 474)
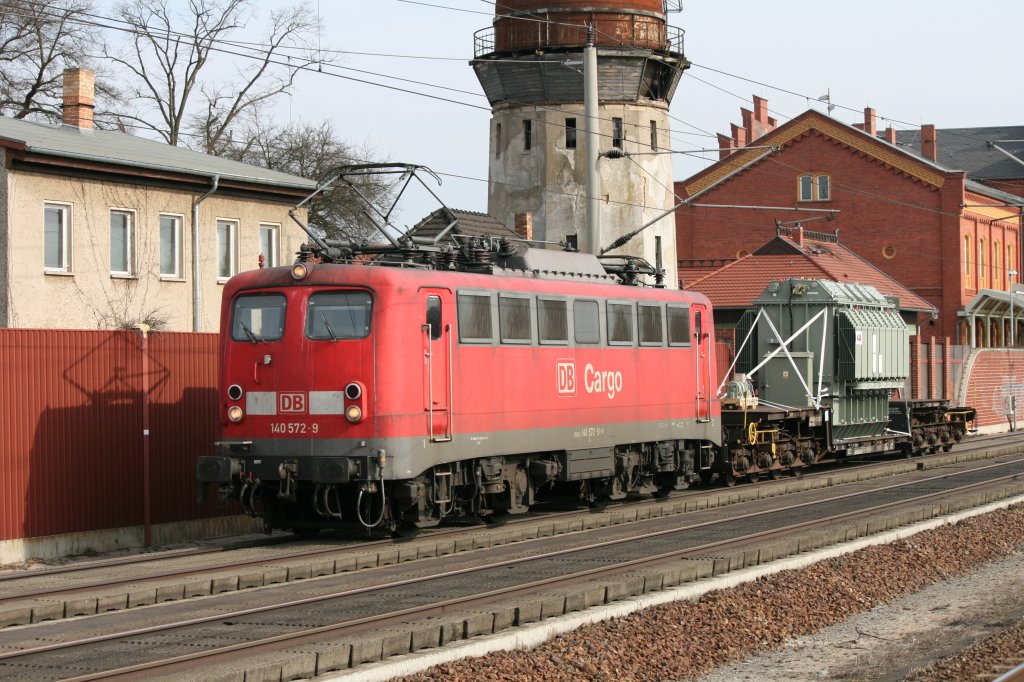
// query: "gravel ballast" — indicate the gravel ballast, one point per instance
point(687, 640)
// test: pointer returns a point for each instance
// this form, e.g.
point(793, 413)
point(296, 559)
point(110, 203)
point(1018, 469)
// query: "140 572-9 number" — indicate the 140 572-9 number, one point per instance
point(294, 428)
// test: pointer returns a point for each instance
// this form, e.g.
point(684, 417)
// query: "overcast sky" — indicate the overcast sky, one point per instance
point(953, 64)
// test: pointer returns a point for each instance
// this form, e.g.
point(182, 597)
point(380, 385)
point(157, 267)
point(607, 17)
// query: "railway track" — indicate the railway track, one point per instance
point(86, 588)
point(174, 638)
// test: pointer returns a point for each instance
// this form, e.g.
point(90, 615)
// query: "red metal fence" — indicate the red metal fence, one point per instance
point(72, 447)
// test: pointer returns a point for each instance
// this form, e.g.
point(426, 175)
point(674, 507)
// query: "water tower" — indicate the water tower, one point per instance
point(530, 64)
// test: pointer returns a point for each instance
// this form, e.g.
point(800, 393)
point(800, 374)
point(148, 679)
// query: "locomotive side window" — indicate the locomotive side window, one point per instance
point(335, 315)
point(678, 326)
point(620, 323)
point(258, 317)
point(586, 322)
point(474, 312)
point(649, 322)
point(514, 319)
point(434, 316)
point(552, 321)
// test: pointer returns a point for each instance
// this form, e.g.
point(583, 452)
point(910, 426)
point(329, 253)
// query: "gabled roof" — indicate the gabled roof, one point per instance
point(900, 159)
point(121, 149)
point(467, 223)
point(813, 255)
point(967, 149)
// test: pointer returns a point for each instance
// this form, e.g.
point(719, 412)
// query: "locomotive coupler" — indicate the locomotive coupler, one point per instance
point(247, 497)
point(286, 471)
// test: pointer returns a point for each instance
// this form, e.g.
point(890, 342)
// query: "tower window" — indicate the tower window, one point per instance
point(617, 133)
point(497, 140)
point(570, 133)
point(654, 136)
point(527, 135)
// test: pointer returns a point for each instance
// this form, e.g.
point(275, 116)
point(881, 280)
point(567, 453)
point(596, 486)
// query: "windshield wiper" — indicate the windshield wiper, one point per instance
point(248, 332)
point(334, 338)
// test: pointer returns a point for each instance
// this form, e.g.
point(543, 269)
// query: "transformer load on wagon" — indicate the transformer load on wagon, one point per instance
point(825, 360)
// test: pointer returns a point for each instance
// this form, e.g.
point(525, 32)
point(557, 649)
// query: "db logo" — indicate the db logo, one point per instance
point(291, 402)
point(566, 370)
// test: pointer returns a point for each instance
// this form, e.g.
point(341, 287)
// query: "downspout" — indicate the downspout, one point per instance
point(197, 297)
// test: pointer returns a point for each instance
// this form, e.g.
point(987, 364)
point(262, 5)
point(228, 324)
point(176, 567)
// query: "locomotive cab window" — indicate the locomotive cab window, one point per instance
point(474, 313)
point(552, 321)
point(336, 315)
point(586, 322)
point(678, 325)
point(620, 324)
point(258, 317)
point(650, 325)
point(514, 319)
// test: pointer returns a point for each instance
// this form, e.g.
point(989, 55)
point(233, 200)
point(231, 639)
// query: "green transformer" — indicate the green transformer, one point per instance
point(819, 344)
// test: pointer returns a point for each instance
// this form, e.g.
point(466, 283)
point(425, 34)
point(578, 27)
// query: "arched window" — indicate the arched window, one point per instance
point(982, 274)
point(967, 261)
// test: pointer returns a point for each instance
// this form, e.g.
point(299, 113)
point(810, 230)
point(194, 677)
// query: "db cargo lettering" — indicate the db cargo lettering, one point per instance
point(602, 381)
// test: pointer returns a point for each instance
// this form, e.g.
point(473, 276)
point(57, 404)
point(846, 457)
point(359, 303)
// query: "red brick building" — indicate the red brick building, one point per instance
point(940, 234)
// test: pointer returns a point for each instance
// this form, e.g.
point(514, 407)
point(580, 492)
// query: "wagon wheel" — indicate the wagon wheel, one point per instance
point(797, 472)
point(776, 474)
point(728, 480)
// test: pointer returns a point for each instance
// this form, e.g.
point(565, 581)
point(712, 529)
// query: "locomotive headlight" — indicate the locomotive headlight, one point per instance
point(354, 413)
point(299, 271)
point(235, 413)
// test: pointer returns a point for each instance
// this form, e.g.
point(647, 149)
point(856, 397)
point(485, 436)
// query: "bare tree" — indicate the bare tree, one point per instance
point(38, 40)
point(176, 98)
point(311, 151)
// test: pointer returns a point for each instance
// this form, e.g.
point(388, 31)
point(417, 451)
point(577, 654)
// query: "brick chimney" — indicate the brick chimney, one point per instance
point(524, 225)
point(79, 87)
point(739, 136)
point(890, 135)
point(725, 146)
point(870, 122)
point(929, 142)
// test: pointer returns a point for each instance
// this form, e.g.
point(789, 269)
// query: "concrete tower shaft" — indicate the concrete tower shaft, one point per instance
point(529, 63)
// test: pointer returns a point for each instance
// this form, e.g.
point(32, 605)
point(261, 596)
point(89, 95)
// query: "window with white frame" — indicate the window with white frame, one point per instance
point(814, 187)
point(122, 242)
point(170, 246)
point(227, 248)
point(617, 133)
point(268, 244)
point(57, 237)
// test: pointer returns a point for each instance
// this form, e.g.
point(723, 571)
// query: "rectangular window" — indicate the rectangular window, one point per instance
point(806, 188)
point(497, 140)
point(552, 321)
point(678, 326)
point(258, 317)
point(824, 188)
point(617, 133)
point(57, 237)
point(227, 248)
point(268, 245)
point(654, 136)
point(434, 317)
point(649, 319)
point(527, 135)
point(474, 313)
point(121, 243)
point(170, 246)
point(570, 133)
point(585, 320)
point(620, 323)
point(514, 319)
point(336, 315)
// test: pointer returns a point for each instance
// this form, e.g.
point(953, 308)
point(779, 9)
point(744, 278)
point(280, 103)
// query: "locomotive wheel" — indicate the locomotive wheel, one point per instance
point(947, 447)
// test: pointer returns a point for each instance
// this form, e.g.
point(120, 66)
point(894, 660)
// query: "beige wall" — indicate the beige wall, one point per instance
point(549, 180)
point(90, 297)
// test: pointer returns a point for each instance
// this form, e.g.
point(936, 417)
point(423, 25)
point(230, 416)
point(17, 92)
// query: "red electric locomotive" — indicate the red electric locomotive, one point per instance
point(435, 382)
